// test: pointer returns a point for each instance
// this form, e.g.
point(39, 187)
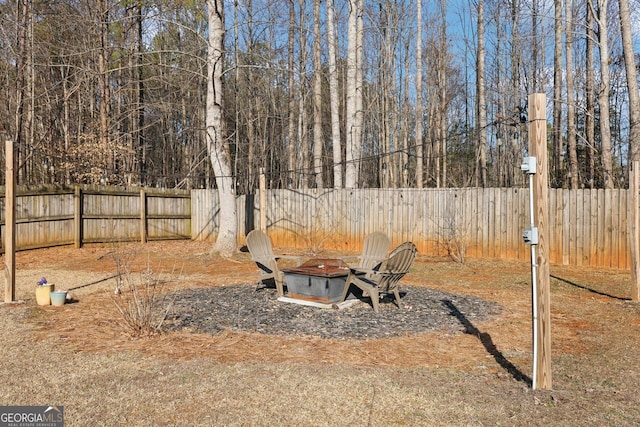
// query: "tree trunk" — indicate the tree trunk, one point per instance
point(103, 87)
point(481, 104)
point(334, 97)
point(419, 109)
point(590, 113)
point(317, 98)
point(442, 79)
point(556, 153)
point(303, 135)
point(632, 81)
point(217, 146)
point(353, 146)
point(535, 82)
point(19, 137)
point(291, 128)
point(603, 95)
point(571, 108)
point(359, 112)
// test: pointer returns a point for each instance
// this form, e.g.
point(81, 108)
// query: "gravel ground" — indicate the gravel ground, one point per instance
point(251, 309)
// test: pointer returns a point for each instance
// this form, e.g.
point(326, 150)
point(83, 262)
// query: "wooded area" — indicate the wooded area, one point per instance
point(320, 94)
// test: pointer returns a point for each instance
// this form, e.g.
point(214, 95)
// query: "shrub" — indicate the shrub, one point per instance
point(143, 299)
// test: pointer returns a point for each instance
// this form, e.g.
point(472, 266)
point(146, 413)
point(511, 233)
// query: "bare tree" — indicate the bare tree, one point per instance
point(556, 153)
point(103, 79)
point(419, 107)
point(317, 97)
point(217, 145)
point(571, 108)
point(303, 134)
point(590, 104)
point(334, 96)
point(632, 81)
point(21, 90)
point(291, 76)
point(353, 144)
point(442, 94)
point(603, 94)
point(481, 106)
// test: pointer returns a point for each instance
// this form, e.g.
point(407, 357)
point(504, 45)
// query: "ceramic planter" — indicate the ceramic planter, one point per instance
point(58, 298)
point(43, 294)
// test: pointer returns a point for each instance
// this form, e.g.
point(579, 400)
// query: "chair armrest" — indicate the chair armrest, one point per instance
point(357, 270)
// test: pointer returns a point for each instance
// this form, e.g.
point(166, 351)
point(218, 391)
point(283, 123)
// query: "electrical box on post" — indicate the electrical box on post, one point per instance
point(528, 165)
point(530, 235)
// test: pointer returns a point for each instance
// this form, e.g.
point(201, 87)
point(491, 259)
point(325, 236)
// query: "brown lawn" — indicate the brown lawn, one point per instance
point(79, 356)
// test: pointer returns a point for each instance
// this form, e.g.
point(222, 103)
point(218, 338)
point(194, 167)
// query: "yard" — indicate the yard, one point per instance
point(473, 369)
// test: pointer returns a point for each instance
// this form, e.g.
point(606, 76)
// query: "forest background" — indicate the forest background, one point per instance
point(318, 94)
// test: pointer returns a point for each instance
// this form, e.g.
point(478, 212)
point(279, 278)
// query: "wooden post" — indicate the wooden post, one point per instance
point(143, 216)
point(263, 201)
point(10, 226)
point(634, 229)
point(77, 217)
point(538, 149)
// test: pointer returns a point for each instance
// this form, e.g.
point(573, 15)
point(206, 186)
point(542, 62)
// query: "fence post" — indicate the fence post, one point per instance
point(77, 217)
point(143, 216)
point(263, 201)
point(538, 149)
point(10, 226)
point(634, 231)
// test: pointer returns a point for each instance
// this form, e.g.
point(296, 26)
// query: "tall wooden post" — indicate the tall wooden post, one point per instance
point(263, 201)
point(10, 226)
point(77, 217)
point(143, 216)
point(634, 228)
point(538, 149)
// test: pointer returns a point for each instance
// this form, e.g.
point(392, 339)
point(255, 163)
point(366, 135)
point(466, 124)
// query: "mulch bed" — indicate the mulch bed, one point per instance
point(256, 309)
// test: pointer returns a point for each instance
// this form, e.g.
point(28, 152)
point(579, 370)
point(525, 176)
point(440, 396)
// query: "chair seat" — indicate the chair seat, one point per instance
point(385, 278)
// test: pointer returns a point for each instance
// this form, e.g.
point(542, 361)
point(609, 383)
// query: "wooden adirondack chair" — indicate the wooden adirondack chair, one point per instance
point(261, 250)
point(385, 279)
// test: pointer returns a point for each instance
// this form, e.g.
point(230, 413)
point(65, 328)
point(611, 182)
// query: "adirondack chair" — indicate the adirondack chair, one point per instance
point(374, 250)
point(261, 250)
point(385, 279)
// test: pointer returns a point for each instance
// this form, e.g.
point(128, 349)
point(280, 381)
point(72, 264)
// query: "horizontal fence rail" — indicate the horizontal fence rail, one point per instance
point(76, 215)
point(587, 227)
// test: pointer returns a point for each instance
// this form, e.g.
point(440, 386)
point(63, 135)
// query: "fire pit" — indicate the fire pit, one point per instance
point(319, 280)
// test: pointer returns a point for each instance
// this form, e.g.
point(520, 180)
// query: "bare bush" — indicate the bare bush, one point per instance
point(454, 235)
point(144, 299)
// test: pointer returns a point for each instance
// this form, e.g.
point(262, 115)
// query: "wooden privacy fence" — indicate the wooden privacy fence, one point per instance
point(586, 227)
point(61, 216)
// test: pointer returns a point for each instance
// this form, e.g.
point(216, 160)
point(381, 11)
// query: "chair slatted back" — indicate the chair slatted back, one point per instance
point(374, 250)
point(396, 267)
point(261, 250)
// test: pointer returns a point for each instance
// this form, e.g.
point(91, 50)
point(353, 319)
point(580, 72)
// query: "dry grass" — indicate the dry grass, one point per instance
point(78, 355)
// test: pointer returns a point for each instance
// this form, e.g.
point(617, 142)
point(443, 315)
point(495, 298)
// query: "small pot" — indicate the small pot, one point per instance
point(58, 298)
point(43, 294)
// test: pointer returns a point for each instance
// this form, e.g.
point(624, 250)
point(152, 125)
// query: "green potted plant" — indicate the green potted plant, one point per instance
point(43, 291)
